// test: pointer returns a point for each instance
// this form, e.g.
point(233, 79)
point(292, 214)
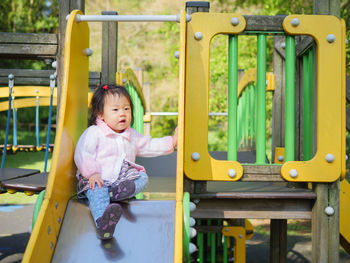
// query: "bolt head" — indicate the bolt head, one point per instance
point(280, 158)
point(195, 156)
point(293, 173)
point(11, 76)
point(198, 35)
point(330, 158)
point(176, 54)
point(295, 22)
point(234, 21)
point(283, 45)
point(232, 173)
point(331, 38)
point(329, 211)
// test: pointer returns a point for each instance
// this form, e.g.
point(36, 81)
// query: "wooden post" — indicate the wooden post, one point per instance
point(189, 185)
point(325, 227)
point(65, 7)
point(109, 50)
point(278, 240)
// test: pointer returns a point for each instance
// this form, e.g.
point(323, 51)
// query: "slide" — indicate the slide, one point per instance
point(344, 226)
point(64, 230)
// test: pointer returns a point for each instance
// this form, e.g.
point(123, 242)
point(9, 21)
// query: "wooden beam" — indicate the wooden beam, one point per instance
point(28, 45)
point(264, 23)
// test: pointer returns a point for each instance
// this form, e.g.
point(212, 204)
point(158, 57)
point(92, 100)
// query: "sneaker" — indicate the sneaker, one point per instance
point(124, 190)
point(107, 222)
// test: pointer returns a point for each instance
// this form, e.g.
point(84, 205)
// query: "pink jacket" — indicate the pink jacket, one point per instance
point(101, 150)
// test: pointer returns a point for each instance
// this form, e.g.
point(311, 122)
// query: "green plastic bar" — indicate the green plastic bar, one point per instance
point(252, 112)
point(213, 247)
point(232, 97)
point(307, 104)
point(239, 124)
point(261, 104)
point(225, 259)
point(200, 244)
point(290, 99)
point(246, 140)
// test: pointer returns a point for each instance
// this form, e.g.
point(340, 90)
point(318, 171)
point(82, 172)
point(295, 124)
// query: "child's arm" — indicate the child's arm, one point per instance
point(85, 154)
point(152, 147)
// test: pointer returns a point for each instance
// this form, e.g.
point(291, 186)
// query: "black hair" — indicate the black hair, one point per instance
point(99, 97)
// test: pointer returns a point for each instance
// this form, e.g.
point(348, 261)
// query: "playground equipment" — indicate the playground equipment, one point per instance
point(52, 237)
point(15, 179)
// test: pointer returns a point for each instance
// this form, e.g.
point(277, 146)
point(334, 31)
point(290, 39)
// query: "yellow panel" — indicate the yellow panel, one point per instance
point(71, 123)
point(270, 77)
point(238, 233)
point(330, 102)
point(27, 102)
point(178, 253)
point(279, 151)
point(250, 77)
point(27, 91)
point(249, 227)
point(196, 97)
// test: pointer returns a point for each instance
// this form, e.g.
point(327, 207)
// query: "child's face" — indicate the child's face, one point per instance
point(116, 112)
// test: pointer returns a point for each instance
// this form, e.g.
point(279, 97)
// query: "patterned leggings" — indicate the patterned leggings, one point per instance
point(99, 197)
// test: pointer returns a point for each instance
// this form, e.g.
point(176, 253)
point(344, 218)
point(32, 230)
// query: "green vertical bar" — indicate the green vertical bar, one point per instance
point(239, 124)
point(307, 105)
point(290, 98)
point(252, 111)
point(200, 244)
point(246, 117)
point(261, 103)
point(232, 97)
point(213, 248)
point(225, 259)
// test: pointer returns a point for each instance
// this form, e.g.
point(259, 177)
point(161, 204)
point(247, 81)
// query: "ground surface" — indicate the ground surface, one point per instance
point(16, 224)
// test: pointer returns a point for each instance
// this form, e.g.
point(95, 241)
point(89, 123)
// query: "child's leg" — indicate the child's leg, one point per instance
point(105, 215)
point(129, 188)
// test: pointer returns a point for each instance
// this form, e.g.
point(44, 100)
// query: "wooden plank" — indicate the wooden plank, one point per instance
point(254, 208)
point(264, 23)
point(257, 195)
point(302, 44)
point(27, 51)
point(267, 173)
point(28, 38)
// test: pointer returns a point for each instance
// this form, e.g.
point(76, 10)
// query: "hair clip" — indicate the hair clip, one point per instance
point(105, 87)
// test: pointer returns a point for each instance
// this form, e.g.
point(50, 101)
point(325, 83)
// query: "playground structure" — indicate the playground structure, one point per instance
point(322, 163)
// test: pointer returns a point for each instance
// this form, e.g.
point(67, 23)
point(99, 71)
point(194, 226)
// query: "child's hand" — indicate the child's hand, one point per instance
point(175, 137)
point(95, 179)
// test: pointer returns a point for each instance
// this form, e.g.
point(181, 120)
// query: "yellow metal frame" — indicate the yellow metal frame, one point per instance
point(279, 151)
point(71, 123)
point(239, 234)
point(178, 246)
point(196, 98)
point(330, 99)
point(27, 102)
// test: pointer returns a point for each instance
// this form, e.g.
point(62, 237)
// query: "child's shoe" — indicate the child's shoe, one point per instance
point(124, 190)
point(107, 222)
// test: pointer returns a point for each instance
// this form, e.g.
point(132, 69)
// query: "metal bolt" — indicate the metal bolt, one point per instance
point(241, 236)
point(192, 206)
point(59, 220)
point(280, 158)
point(226, 229)
point(192, 221)
point(198, 35)
point(54, 64)
point(232, 173)
point(49, 230)
point(346, 157)
point(331, 38)
point(295, 22)
point(330, 158)
point(234, 21)
point(11, 76)
point(56, 205)
point(176, 54)
point(188, 18)
point(293, 173)
point(51, 246)
point(192, 248)
point(195, 156)
point(346, 41)
point(329, 211)
point(193, 232)
point(87, 52)
point(124, 80)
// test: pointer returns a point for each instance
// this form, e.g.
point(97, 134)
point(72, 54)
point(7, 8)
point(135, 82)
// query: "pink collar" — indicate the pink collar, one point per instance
point(108, 131)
